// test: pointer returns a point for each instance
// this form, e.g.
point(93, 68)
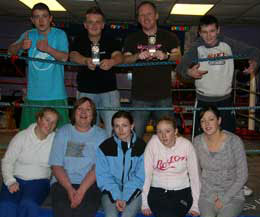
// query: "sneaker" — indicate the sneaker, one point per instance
point(247, 191)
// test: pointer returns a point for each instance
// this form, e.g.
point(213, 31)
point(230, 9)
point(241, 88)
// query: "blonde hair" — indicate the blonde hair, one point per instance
point(41, 113)
point(171, 120)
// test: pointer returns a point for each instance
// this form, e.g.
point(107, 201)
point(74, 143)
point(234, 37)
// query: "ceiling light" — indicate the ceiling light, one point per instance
point(52, 4)
point(191, 9)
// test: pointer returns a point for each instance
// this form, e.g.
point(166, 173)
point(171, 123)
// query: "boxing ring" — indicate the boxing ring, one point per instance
point(252, 206)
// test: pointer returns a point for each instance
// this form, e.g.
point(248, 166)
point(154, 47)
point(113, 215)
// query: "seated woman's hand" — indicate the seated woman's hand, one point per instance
point(78, 198)
point(71, 194)
point(120, 205)
point(218, 203)
point(13, 187)
point(147, 211)
point(193, 213)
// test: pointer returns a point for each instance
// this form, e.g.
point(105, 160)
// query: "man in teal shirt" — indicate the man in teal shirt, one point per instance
point(45, 84)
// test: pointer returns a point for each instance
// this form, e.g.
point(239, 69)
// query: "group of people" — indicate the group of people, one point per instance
point(99, 52)
point(169, 176)
point(97, 80)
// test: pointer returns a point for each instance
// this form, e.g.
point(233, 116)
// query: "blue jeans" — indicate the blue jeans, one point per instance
point(231, 209)
point(107, 99)
point(141, 117)
point(26, 202)
point(131, 209)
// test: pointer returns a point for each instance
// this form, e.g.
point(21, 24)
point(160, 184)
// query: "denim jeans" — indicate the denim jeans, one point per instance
point(131, 209)
point(107, 99)
point(231, 209)
point(141, 117)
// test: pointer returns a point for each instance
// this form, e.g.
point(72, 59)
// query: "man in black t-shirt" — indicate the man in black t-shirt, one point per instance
point(151, 85)
point(99, 53)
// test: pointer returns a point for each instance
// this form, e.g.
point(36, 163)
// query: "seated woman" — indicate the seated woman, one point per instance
point(74, 191)
point(224, 167)
point(120, 168)
point(25, 168)
point(172, 182)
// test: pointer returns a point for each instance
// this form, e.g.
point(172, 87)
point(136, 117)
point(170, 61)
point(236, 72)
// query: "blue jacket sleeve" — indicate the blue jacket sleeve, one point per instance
point(105, 179)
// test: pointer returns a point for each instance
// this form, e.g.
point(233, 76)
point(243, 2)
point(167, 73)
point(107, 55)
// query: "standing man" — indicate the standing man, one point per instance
point(97, 80)
point(213, 79)
point(45, 80)
point(151, 85)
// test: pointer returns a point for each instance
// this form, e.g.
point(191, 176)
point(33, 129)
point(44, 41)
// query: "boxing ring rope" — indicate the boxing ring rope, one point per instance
point(179, 108)
point(139, 64)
